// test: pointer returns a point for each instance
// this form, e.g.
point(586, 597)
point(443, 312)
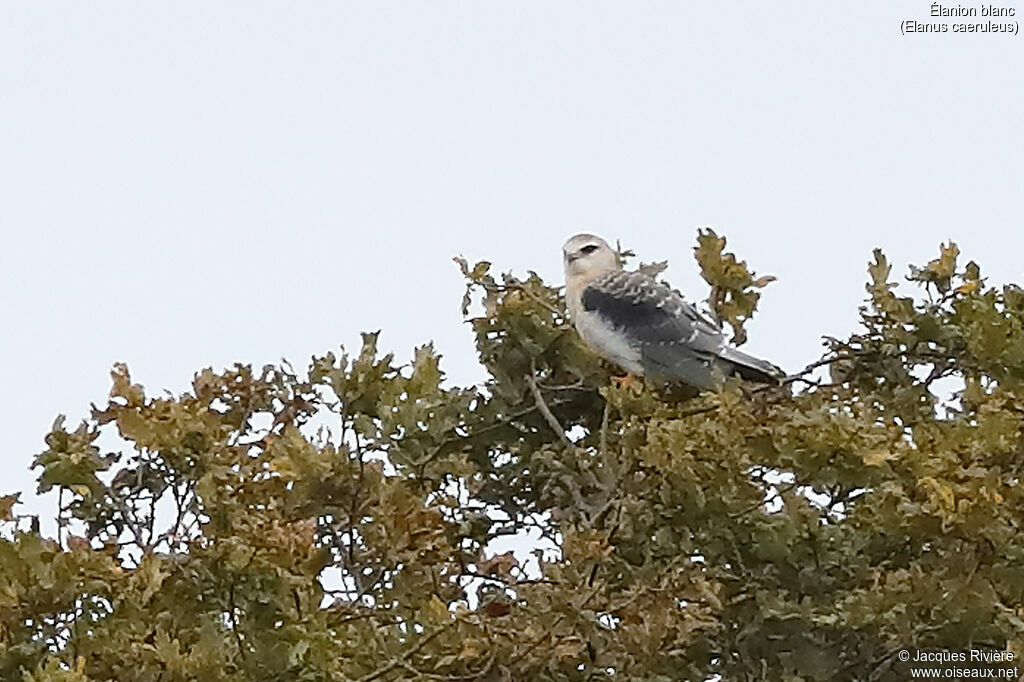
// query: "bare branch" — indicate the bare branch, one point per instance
point(400, 662)
point(531, 381)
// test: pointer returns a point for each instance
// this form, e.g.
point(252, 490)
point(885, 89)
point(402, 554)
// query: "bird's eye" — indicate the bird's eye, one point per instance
point(589, 248)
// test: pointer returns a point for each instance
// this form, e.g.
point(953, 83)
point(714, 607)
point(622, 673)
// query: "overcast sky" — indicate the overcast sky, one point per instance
point(192, 184)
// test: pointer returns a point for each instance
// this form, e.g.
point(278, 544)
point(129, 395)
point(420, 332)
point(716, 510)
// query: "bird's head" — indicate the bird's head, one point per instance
point(588, 254)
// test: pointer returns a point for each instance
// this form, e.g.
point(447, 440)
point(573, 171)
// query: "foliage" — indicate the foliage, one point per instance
point(334, 524)
point(734, 289)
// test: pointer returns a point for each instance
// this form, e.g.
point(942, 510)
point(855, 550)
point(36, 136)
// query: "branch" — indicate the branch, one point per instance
point(811, 367)
point(531, 381)
point(558, 621)
point(453, 678)
point(131, 520)
point(400, 662)
point(604, 428)
point(235, 624)
point(698, 410)
point(537, 299)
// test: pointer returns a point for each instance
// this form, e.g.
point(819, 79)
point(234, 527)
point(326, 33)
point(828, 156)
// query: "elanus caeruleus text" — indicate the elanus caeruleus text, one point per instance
point(645, 326)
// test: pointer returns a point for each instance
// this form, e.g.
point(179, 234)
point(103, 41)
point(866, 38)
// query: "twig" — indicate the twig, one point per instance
point(131, 520)
point(698, 410)
point(531, 380)
point(604, 428)
point(558, 621)
point(61, 519)
point(399, 662)
point(811, 367)
point(453, 678)
point(776, 494)
point(578, 386)
point(235, 624)
point(508, 582)
point(501, 422)
point(632, 599)
point(536, 298)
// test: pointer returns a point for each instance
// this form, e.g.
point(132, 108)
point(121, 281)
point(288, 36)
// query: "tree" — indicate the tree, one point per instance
point(333, 524)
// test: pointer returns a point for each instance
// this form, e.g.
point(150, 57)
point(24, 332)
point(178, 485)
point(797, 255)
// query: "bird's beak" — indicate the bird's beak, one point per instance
point(570, 257)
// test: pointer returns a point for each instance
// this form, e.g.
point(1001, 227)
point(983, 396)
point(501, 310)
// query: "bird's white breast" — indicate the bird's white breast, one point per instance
point(608, 342)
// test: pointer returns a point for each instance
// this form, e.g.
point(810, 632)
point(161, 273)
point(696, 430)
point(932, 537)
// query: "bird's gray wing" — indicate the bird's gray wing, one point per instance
point(675, 341)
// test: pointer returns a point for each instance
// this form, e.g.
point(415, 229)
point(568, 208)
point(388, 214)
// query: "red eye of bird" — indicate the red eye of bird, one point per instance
point(589, 248)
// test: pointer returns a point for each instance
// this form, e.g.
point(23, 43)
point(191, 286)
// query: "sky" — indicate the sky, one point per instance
point(192, 184)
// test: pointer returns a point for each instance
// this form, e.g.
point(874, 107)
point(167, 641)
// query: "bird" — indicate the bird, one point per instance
point(645, 326)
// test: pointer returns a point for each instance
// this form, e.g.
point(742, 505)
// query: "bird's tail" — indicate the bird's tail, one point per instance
point(751, 368)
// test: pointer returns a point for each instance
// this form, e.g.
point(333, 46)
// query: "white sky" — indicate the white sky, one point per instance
point(191, 184)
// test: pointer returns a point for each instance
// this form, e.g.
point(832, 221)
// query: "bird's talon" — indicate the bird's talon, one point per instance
point(628, 381)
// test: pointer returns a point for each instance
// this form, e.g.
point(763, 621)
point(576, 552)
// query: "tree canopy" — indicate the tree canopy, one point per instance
point(334, 523)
